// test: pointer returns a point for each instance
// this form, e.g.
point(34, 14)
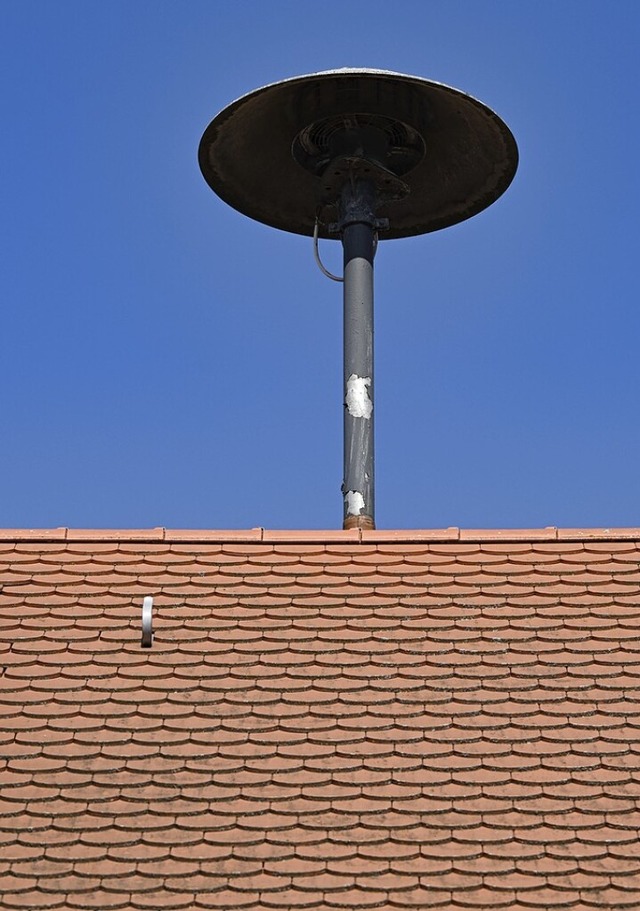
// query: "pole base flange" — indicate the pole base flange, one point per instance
point(365, 522)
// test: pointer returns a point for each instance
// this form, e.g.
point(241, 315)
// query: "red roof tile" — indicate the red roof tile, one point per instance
point(326, 720)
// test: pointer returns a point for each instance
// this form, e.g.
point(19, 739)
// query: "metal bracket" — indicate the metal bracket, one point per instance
point(380, 224)
point(388, 186)
point(147, 623)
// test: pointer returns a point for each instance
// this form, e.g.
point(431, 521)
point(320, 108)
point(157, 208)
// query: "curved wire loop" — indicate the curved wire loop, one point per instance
point(316, 254)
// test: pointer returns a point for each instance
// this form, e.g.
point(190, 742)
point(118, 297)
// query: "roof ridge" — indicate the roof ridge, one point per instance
point(335, 536)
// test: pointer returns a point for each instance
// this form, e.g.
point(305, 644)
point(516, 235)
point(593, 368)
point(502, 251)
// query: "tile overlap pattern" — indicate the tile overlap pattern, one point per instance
point(320, 724)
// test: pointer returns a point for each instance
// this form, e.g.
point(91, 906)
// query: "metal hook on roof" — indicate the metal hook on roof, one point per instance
point(147, 623)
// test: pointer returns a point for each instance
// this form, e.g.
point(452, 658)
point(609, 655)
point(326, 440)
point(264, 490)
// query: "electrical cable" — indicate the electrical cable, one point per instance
point(316, 254)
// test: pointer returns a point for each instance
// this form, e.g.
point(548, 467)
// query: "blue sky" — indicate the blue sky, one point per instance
point(167, 361)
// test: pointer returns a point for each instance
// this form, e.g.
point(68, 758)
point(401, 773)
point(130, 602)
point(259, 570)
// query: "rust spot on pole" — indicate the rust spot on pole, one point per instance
point(365, 522)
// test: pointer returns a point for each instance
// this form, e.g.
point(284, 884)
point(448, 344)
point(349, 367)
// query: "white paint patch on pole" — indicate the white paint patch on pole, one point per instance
point(357, 399)
point(354, 501)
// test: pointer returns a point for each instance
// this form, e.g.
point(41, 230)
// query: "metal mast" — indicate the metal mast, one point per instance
point(360, 155)
point(358, 231)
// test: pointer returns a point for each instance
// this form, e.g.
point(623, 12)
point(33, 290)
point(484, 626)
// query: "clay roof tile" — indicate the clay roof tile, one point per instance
point(325, 720)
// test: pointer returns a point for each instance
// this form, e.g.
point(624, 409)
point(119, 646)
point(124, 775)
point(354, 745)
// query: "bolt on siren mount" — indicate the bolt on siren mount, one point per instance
point(358, 155)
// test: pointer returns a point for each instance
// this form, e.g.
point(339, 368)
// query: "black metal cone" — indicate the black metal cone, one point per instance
point(246, 153)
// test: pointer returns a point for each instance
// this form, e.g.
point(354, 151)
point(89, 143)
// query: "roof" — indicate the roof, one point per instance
point(326, 720)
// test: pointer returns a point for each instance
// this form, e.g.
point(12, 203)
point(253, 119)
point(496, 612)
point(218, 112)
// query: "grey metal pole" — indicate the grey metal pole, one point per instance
point(358, 225)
